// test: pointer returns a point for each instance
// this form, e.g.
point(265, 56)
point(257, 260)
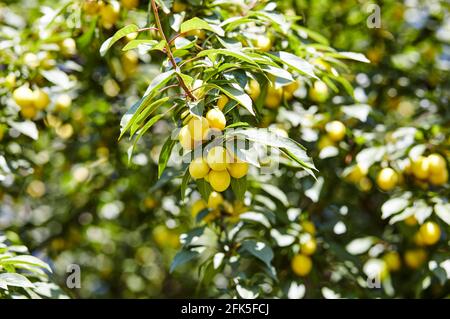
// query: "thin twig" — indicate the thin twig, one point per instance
point(175, 37)
point(169, 51)
point(168, 87)
point(147, 29)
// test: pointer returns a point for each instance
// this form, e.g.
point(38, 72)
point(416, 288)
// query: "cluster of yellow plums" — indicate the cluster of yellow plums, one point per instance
point(217, 204)
point(302, 263)
point(32, 101)
point(218, 166)
point(274, 95)
point(108, 11)
point(428, 234)
point(431, 169)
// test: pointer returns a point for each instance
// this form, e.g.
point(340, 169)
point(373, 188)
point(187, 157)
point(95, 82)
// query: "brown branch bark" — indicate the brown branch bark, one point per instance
point(169, 51)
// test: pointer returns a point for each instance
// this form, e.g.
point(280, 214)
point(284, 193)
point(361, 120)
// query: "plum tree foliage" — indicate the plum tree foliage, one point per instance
point(224, 149)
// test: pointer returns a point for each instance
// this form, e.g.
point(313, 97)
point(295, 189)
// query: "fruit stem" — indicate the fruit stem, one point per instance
point(169, 51)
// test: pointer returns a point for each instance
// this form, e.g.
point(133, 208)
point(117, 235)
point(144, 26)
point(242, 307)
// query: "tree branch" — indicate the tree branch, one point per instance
point(169, 51)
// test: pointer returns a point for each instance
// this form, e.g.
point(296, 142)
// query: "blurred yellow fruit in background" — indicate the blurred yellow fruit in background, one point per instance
point(130, 4)
point(301, 265)
point(222, 101)
point(387, 179)
point(215, 200)
point(414, 258)
point(273, 97)
point(109, 14)
point(263, 43)
point(319, 92)
point(23, 96)
point(253, 89)
point(436, 163)
point(68, 47)
point(420, 167)
point(393, 261)
point(336, 130)
point(430, 233)
point(288, 90)
point(308, 247)
point(197, 207)
point(40, 99)
point(63, 102)
point(179, 6)
point(36, 189)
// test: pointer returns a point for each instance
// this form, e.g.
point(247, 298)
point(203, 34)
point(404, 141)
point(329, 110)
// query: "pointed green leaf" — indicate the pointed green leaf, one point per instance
point(117, 36)
point(232, 53)
point(197, 23)
point(181, 258)
point(133, 44)
point(165, 154)
point(298, 64)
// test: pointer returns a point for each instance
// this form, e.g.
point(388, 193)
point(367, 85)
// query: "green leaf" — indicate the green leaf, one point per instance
point(443, 211)
point(202, 214)
point(15, 280)
point(84, 40)
point(235, 54)
point(358, 111)
point(184, 184)
point(279, 73)
point(360, 245)
point(298, 64)
point(258, 249)
point(183, 43)
point(278, 20)
point(148, 44)
point(116, 37)
point(311, 34)
point(25, 259)
point(276, 192)
point(147, 126)
point(159, 81)
point(145, 113)
point(165, 154)
point(186, 78)
point(189, 238)
point(393, 206)
point(290, 147)
point(239, 187)
point(234, 22)
point(203, 188)
point(132, 114)
point(236, 93)
point(238, 124)
point(196, 107)
point(197, 23)
point(351, 56)
point(27, 128)
point(181, 258)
